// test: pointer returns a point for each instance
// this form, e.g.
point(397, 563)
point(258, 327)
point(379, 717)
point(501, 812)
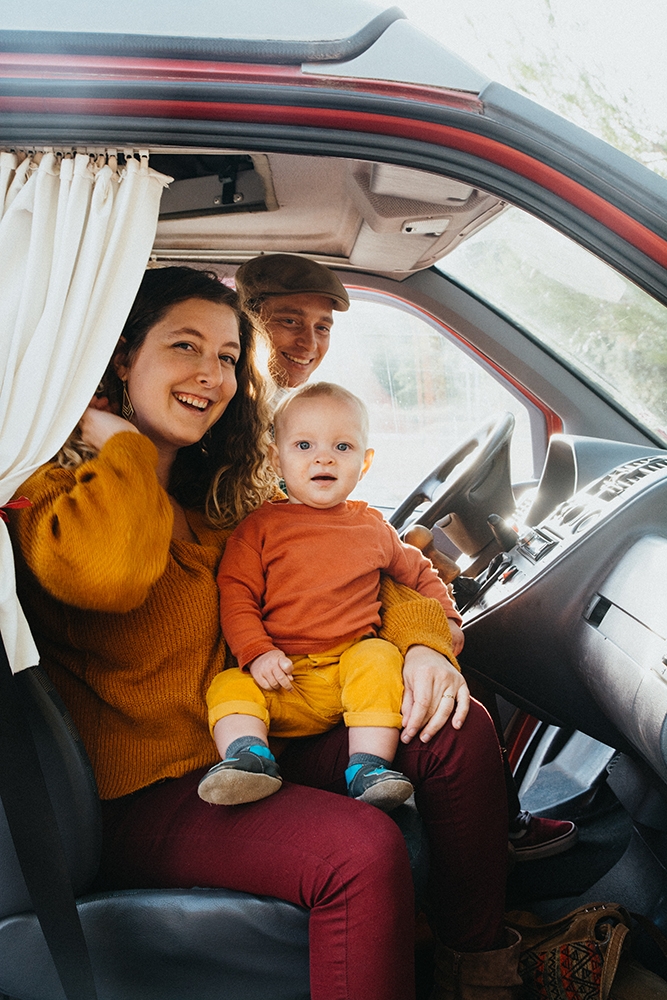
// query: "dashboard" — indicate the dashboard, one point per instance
point(570, 622)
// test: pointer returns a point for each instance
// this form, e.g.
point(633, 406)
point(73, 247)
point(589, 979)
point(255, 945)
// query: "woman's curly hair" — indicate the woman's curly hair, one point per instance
point(226, 475)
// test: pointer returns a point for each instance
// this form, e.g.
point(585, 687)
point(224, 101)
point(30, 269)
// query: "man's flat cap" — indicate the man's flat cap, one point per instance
point(288, 274)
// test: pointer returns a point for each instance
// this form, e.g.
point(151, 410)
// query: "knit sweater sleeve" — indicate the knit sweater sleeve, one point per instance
point(408, 619)
point(97, 537)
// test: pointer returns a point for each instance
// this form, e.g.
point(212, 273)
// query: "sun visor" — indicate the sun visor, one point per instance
point(214, 184)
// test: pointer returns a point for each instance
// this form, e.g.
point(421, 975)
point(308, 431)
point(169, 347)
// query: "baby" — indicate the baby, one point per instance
point(299, 584)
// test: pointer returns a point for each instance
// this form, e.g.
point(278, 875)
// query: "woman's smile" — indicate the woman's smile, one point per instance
point(197, 402)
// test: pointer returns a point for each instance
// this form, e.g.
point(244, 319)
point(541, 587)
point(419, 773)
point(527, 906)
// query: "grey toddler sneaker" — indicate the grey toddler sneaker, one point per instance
point(250, 775)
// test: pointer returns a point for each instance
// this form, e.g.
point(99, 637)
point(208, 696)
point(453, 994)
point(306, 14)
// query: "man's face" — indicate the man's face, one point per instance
point(299, 326)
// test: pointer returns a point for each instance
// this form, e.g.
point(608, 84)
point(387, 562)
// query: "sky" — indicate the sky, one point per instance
point(619, 44)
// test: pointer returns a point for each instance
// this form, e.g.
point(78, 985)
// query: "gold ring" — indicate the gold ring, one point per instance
point(448, 696)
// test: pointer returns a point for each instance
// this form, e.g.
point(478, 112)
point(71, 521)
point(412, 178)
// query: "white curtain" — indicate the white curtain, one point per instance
point(75, 237)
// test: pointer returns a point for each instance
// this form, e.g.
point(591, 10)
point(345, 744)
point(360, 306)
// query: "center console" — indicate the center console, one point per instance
point(571, 622)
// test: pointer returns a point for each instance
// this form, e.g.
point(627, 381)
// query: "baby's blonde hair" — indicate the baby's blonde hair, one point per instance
point(316, 390)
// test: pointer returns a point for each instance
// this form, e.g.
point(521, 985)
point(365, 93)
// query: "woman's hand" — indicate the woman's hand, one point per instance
point(433, 689)
point(98, 425)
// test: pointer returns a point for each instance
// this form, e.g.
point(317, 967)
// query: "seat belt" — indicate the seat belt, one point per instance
point(32, 824)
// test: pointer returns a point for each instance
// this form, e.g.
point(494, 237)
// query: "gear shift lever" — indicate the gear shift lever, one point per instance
point(506, 536)
point(422, 538)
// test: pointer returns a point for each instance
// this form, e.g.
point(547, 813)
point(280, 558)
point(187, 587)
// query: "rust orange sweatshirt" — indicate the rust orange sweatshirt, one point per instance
point(303, 579)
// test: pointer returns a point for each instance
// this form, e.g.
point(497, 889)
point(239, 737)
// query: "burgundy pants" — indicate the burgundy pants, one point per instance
point(344, 860)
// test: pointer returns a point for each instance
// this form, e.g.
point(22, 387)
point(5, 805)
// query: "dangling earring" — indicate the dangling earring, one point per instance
point(127, 410)
point(205, 442)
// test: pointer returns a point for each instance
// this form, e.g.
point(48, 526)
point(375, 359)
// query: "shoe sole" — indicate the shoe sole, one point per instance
point(387, 795)
point(549, 850)
point(235, 787)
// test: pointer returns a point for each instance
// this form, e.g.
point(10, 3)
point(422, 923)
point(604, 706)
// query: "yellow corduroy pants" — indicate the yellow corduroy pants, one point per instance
point(360, 682)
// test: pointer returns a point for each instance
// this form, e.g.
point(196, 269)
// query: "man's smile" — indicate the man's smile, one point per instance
point(297, 361)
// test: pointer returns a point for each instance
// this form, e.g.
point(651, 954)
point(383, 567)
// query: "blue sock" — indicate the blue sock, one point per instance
point(252, 743)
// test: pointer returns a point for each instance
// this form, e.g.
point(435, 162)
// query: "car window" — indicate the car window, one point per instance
point(605, 327)
point(425, 395)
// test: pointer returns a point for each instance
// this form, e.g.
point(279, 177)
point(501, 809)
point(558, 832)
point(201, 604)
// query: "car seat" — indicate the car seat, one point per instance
point(155, 944)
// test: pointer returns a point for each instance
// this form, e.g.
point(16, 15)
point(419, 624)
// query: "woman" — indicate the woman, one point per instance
point(117, 559)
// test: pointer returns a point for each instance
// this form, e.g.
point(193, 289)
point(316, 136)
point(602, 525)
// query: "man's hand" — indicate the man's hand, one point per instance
point(433, 690)
point(272, 670)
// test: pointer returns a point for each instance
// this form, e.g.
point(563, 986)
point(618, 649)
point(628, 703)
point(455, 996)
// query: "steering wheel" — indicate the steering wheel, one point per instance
point(482, 485)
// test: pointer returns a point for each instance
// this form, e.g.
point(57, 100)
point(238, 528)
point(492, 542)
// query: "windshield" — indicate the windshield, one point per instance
point(425, 395)
point(601, 324)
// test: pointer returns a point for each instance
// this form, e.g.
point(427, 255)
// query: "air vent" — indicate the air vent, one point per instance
point(625, 476)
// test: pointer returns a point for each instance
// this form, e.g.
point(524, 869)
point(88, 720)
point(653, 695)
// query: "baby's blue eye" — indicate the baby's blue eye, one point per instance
point(303, 445)
point(342, 446)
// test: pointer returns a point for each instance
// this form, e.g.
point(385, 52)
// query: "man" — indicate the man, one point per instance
point(295, 299)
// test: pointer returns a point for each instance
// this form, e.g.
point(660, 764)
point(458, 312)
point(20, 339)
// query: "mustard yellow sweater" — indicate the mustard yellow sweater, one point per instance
point(127, 619)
